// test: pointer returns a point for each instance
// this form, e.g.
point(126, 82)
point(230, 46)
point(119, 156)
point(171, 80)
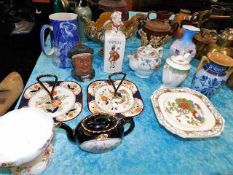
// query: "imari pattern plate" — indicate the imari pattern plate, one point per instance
point(67, 103)
point(187, 113)
point(101, 99)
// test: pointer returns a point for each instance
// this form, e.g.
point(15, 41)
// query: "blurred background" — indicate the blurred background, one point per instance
point(20, 22)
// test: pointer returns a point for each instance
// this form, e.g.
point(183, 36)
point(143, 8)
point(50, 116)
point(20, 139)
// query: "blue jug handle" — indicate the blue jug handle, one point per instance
point(42, 42)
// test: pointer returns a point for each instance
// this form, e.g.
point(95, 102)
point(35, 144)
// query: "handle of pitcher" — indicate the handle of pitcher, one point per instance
point(42, 42)
point(203, 60)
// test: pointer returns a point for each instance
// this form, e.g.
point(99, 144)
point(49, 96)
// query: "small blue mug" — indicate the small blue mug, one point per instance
point(64, 36)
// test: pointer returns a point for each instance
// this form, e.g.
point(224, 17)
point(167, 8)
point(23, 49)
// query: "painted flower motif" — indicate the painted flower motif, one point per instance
point(206, 85)
point(185, 108)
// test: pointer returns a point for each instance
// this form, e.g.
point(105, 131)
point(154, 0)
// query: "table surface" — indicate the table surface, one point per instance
point(150, 148)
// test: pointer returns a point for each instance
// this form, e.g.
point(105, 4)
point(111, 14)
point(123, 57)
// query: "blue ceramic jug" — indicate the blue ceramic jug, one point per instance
point(212, 73)
point(64, 36)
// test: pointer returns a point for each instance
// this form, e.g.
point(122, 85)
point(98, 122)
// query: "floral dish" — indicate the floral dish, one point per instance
point(67, 102)
point(187, 113)
point(101, 98)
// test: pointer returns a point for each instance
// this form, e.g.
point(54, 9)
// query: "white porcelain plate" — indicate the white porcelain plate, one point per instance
point(101, 98)
point(187, 113)
point(67, 103)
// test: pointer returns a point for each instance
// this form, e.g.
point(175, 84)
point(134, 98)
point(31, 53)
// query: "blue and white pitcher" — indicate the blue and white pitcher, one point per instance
point(212, 73)
point(64, 36)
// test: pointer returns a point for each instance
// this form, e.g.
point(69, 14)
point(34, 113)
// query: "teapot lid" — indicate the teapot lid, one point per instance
point(99, 123)
point(148, 50)
point(158, 26)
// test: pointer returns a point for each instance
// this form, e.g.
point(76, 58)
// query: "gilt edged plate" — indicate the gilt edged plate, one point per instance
point(67, 103)
point(187, 113)
point(101, 99)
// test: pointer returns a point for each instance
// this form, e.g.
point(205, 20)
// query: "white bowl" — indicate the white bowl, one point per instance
point(25, 134)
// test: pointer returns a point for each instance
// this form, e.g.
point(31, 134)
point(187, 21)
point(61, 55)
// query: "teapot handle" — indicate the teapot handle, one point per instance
point(203, 59)
point(131, 127)
point(150, 12)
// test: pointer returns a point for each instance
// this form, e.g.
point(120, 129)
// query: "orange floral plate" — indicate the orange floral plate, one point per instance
point(67, 103)
point(101, 99)
point(187, 113)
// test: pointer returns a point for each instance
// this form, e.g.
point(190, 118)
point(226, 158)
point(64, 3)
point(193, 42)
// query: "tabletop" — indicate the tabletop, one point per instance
point(150, 148)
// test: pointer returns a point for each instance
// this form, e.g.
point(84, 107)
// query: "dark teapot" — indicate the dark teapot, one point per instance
point(159, 26)
point(98, 133)
point(157, 31)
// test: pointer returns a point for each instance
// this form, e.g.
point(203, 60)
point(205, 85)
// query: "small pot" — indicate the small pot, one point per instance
point(146, 60)
point(158, 27)
point(99, 133)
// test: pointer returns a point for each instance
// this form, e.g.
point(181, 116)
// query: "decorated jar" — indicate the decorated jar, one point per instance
point(146, 60)
point(212, 73)
point(176, 70)
point(114, 45)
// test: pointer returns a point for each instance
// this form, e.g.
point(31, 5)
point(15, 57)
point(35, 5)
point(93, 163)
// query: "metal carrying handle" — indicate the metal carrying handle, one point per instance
point(112, 81)
point(45, 88)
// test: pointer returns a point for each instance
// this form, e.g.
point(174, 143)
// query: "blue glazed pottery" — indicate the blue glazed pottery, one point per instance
point(212, 73)
point(64, 36)
point(185, 43)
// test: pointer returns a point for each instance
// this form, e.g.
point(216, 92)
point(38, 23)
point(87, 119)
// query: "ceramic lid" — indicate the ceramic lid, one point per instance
point(178, 64)
point(99, 123)
point(24, 133)
point(220, 59)
point(148, 51)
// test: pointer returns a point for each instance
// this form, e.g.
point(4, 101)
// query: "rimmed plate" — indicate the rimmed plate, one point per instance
point(187, 113)
point(101, 99)
point(67, 102)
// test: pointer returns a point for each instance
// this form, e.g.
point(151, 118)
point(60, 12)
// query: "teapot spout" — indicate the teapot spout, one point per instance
point(69, 131)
